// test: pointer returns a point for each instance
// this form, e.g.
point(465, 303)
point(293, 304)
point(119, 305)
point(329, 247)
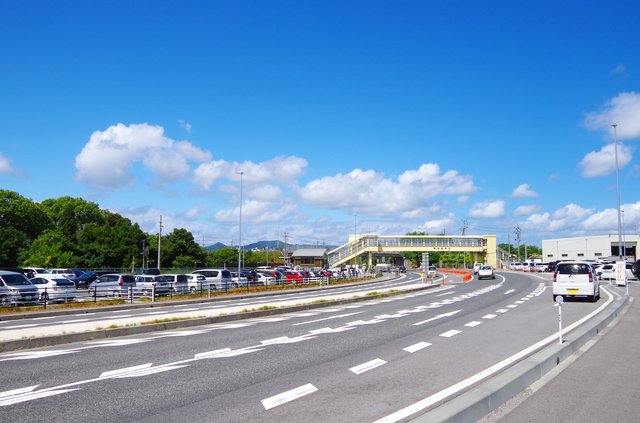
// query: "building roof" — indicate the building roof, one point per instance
point(310, 252)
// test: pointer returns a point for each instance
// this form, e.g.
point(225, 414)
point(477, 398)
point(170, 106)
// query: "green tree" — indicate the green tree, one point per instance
point(70, 215)
point(221, 257)
point(49, 250)
point(180, 242)
point(21, 222)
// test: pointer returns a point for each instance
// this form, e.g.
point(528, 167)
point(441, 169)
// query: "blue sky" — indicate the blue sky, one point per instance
point(414, 115)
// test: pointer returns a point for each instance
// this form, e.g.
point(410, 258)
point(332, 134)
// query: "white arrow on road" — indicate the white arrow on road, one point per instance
point(439, 316)
point(510, 291)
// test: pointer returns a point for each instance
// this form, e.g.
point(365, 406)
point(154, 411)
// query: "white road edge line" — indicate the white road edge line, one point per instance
point(291, 395)
point(367, 366)
point(427, 402)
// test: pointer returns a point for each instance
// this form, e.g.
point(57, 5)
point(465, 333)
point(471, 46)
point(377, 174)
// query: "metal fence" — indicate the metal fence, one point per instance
point(48, 297)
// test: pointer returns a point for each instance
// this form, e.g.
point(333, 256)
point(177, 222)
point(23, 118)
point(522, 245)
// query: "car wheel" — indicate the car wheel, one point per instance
point(3, 301)
point(554, 297)
point(44, 297)
point(116, 294)
point(234, 285)
point(493, 277)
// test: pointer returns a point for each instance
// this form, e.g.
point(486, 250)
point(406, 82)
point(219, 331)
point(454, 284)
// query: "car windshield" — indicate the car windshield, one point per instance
point(15, 280)
point(574, 269)
point(485, 268)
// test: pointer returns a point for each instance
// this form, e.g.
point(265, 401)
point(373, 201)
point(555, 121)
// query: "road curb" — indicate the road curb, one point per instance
point(47, 341)
point(477, 403)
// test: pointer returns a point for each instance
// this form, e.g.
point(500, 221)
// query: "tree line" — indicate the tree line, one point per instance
point(68, 232)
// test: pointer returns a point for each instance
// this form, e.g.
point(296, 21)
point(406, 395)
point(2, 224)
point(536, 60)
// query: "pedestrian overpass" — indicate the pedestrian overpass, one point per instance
point(482, 248)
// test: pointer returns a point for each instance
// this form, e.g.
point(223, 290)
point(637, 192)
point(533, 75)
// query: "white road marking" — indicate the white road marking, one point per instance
point(20, 326)
point(502, 310)
point(512, 306)
point(327, 318)
point(285, 397)
point(24, 394)
point(120, 317)
point(79, 320)
point(369, 365)
point(439, 396)
point(417, 347)
point(440, 316)
point(43, 318)
point(30, 355)
point(473, 324)
point(489, 316)
point(450, 333)
point(510, 291)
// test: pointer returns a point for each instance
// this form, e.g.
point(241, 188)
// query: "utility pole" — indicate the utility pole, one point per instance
point(517, 232)
point(159, 239)
point(464, 226)
point(286, 234)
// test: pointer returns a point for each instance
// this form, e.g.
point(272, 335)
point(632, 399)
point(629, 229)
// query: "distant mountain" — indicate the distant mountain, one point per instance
point(272, 245)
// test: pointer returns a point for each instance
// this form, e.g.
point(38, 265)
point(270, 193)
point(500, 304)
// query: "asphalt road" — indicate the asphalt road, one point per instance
point(599, 384)
point(357, 363)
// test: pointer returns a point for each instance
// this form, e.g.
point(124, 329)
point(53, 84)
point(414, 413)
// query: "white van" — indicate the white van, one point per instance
point(575, 278)
point(215, 278)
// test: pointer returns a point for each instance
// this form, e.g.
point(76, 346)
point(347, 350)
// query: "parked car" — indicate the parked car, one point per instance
point(152, 285)
point(264, 279)
point(55, 288)
point(635, 269)
point(275, 274)
point(575, 278)
point(292, 276)
point(85, 279)
point(486, 271)
point(147, 271)
point(237, 282)
point(251, 275)
point(112, 284)
point(65, 273)
point(196, 282)
point(541, 267)
point(607, 271)
point(215, 278)
point(36, 270)
point(179, 283)
point(15, 288)
point(77, 272)
point(476, 267)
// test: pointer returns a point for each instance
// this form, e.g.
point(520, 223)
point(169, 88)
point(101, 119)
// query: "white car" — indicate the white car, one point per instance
point(477, 266)
point(607, 271)
point(265, 280)
point(486, 272)
point(575, 278)
point(55, 288)
point(432, 271)
point(65, 273)
point(238, 282)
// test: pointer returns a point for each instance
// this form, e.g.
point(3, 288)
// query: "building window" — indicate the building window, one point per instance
point(549, 255)
point(598, 254)
point(565, 255)
point(580, 254)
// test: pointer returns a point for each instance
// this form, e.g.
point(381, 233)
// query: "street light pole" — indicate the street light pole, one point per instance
point(240, 232)
point(615, 135)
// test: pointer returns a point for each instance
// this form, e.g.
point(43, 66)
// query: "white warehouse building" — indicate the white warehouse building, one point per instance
point(589, 248)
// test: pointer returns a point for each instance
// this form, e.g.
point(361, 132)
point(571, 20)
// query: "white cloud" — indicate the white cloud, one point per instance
point(527, 210)
point(552, 177)
point(438, 226)
point(624, 110)
point(186, 126)
point(487, 209)
point(603, 162)
point(423, 212)
point(371, 193)
point(564, 219)
point(523, 191)
point(6, 168)
point(256, 212)
point(106, 160)
point(284, 170)
point(619, 69)
point(607, 220)
point(194, 212)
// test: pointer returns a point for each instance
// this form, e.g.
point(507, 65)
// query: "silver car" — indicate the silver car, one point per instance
point(152, 285)
point(55, 288)
point(15, 288)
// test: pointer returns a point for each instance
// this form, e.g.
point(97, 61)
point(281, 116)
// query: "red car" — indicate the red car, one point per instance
point(293, 276)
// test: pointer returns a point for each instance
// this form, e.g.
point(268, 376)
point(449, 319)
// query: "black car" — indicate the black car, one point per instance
point(153, 271)
point(85, 279)
point(635, 269)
